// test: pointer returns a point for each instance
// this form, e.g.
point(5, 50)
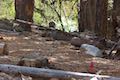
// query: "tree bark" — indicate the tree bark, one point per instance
point(82, 16)
point(93, 16)
point(24, 11)
point(87, 15)
point(101, 17)
point(115, 19)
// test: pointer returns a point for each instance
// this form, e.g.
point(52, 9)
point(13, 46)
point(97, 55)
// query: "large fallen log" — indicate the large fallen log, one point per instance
point(40, 72)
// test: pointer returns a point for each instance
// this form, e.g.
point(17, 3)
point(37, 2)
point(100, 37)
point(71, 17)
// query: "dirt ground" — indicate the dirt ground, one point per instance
point(61, 54)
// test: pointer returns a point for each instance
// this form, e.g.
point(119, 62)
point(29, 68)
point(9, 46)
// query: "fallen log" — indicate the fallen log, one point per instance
point(41, 72)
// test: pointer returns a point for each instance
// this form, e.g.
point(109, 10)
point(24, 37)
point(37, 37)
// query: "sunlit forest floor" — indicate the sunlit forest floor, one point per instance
point(61, 54)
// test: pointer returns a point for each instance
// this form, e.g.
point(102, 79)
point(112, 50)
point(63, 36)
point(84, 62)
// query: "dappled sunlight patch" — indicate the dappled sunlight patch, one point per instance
point(9, 60)
point(26, 38)
point(39, 38)
point(74, 62)
point(36, 42)
point(8, 57)
point(26, 49)
point(49, 42)
point(21, 43)
point(62, 57)
point(10, 38)
point(12, 51)
point(52, 59)
point(99, 61)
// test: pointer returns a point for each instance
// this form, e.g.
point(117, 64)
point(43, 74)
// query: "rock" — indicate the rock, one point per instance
point(42, 63)
point(27, 62)
point(3, 49)
point(52, 25)
point(59, 35)
point(38, 62)
point(92, 50)
point(76, 41)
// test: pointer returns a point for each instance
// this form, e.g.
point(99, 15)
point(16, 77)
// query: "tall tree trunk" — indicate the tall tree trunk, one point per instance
point(101, 17)
point(24, 11)
point(82, 15)
point(93, 16)
point(115, 18)
point(87, 15)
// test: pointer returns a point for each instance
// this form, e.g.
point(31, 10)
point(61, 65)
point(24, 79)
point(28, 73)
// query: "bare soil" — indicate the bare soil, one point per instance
point(61, 54)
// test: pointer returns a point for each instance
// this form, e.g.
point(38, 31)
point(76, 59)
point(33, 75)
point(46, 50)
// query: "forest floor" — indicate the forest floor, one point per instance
point(61, 54)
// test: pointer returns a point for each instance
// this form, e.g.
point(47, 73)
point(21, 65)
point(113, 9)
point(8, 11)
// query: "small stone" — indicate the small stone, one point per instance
point(76, 41)
point(27, 62)
point(42, 63)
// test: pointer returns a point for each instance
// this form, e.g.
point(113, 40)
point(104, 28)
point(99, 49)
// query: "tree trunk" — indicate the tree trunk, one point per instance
point(116, 7)
point(87, 15)
point(82, 16)
point(115, 18)
point(101, 17)
point(24, 11)
point(93, 16)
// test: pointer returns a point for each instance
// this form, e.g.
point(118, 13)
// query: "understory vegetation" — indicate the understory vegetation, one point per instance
point(64, 13)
